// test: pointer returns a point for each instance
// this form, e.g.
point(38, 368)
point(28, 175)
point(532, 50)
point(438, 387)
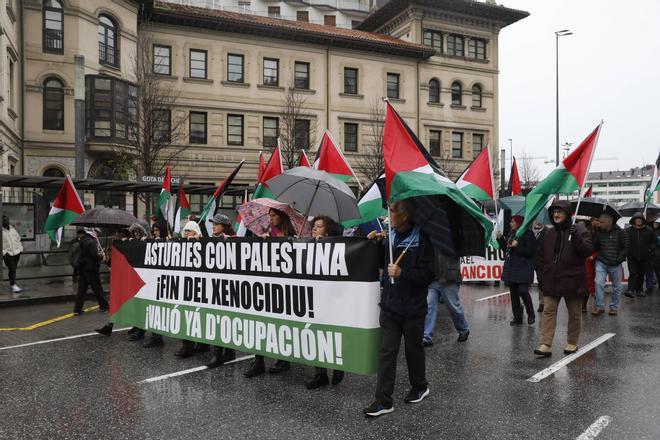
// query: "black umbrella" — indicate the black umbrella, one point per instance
point(105, 218)
point(630, 209)
point(594, 207)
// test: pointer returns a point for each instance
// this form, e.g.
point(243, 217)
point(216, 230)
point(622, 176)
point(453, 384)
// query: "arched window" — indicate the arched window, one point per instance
point(53, 27)
point(476, 96)
point(456, 93)
point(53, 104)
point(108, 43)
point(434, 91)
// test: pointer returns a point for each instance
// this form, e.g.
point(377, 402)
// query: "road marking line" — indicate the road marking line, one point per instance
point(190, 370)
point(570, 358)
point(60, 339)
point(43, 323)
point(595, 429)
point(493, 296)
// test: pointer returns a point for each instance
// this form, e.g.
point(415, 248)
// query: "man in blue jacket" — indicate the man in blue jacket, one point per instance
point(403, 307)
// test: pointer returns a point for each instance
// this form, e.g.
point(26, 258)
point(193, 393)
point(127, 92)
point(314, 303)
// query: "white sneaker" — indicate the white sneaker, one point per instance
point(16, 289)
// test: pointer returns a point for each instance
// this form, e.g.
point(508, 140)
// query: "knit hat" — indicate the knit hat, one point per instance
point(220, 219)
point(192, 226)
point(518, 219)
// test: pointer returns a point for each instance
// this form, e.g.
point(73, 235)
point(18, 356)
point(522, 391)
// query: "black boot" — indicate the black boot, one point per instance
point(258, 367)
point(319, 380)
point(217, 359)
point(337, 377)
point(137, 335)
point(187, 349)
point(228, 355)
point(279, 367)
point(106, 330)
point(153, 341)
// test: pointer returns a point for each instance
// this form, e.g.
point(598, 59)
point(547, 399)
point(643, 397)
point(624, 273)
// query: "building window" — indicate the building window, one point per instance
point(457, 145)
point(355, 24)
point(235, 68)
point(270, 132)
point(351, 137)
point(302, 16)
point(244, 7)
point(477, 49)
point(53, 27)
point(234, 129)
point(161, 125)
point(197, 128)
point(456, 93)
point(198, 64)
point(162, 60)
point(53, 104)
point(434, 142)
point(433, 38)
point(330, 20)
point(108, 43)
point(455, 45)
point(11, 84)
point(393, 85)
point(110, 109)
point(301, 132)
point(350, 81)
point(301, 75)
point(434, 91)
point(274, 11)
point(477, 144)
point(271, 72)
point(476, 96)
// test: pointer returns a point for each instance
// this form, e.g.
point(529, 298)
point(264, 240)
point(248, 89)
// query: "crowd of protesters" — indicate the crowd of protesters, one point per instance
point(571, 260)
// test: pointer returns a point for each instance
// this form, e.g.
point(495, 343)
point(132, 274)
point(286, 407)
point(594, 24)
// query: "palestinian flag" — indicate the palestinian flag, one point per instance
point(330, 159)
point(589, 192)
point(515, 187)
point(567, 178)
point(67, 207)
point(213, 203)
point(165, 208)
point(240, 226)
point(183, 212)
point(303, 161)
point(262, 166)
point(371, 205)
point(410, 171)
point(655, 183)
point(477, 180)
point(273, 168)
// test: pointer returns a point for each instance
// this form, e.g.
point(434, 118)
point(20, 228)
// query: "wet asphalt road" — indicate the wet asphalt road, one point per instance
point(89, 388)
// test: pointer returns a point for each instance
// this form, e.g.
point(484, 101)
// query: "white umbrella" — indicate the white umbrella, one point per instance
point(315, 192)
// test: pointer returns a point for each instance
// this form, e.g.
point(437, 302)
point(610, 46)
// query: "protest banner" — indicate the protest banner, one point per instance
point(306, 301)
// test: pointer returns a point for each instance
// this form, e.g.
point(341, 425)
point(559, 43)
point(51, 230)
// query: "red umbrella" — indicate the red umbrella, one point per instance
point(256, 219)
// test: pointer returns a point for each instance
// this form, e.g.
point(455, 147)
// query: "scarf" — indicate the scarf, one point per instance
point(558, 246)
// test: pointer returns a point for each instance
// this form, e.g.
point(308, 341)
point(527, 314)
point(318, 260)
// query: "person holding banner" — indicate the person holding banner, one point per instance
point(221, 228)
point(139, 233)
point(280, 226)
point(565, 249)
point(323, 226)
point(89, 265)
point(518, 271)
point(403, 307)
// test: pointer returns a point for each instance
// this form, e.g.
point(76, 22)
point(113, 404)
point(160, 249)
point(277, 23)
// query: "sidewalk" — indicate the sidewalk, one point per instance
point(43, 284)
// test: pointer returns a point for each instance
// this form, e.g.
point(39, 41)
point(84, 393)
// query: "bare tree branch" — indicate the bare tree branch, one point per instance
point(370, 163)
point(529, 173)
point(292, 117)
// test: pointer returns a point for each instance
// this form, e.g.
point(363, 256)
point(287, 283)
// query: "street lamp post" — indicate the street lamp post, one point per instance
point(558, 34)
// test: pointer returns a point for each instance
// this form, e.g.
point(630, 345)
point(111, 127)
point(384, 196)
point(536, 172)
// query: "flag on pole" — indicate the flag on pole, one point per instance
point(330, 159)
point(272, 169)
point(589, 192)
point(67, 207)
point(515, 187)
point(655, 183)
point(240, 226)
point(183, 212)
point(213, 203)
point(165, 209)
point(567, 178)
point(371, 204)
point(303, 161)
point(410, 171)
point(477, 180)
point(262, 166)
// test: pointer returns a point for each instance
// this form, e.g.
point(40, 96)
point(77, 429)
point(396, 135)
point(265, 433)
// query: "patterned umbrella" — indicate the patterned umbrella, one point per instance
point(256, 219)
point(105, 218)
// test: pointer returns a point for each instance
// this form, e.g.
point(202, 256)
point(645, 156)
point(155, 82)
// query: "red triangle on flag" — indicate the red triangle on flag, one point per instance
point(479, 172)
point(262, 166)
point(167, 181)
point(589, 192)
point(273, 168)
point(577, 163)
point(514, 180)
point(303, 161)
point(67, 198)
point(330, 159)
point(183, 200)
point(125, 282)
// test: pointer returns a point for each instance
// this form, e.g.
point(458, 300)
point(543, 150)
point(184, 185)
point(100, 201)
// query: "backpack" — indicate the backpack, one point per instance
point(75, 254)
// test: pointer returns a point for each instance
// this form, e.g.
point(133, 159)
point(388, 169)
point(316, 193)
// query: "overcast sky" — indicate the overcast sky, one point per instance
point(608, 69)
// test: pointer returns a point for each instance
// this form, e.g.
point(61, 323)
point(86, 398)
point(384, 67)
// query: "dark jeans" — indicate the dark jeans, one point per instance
point(11, 262)
point(637, 269)
point(392, 328)
point(518, 292)
point(89, 279)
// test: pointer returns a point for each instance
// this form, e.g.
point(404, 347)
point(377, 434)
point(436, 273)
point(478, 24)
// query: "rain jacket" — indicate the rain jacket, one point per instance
point(612, 246)
point(11, 242)
point(519, 261)
point(641, 240)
